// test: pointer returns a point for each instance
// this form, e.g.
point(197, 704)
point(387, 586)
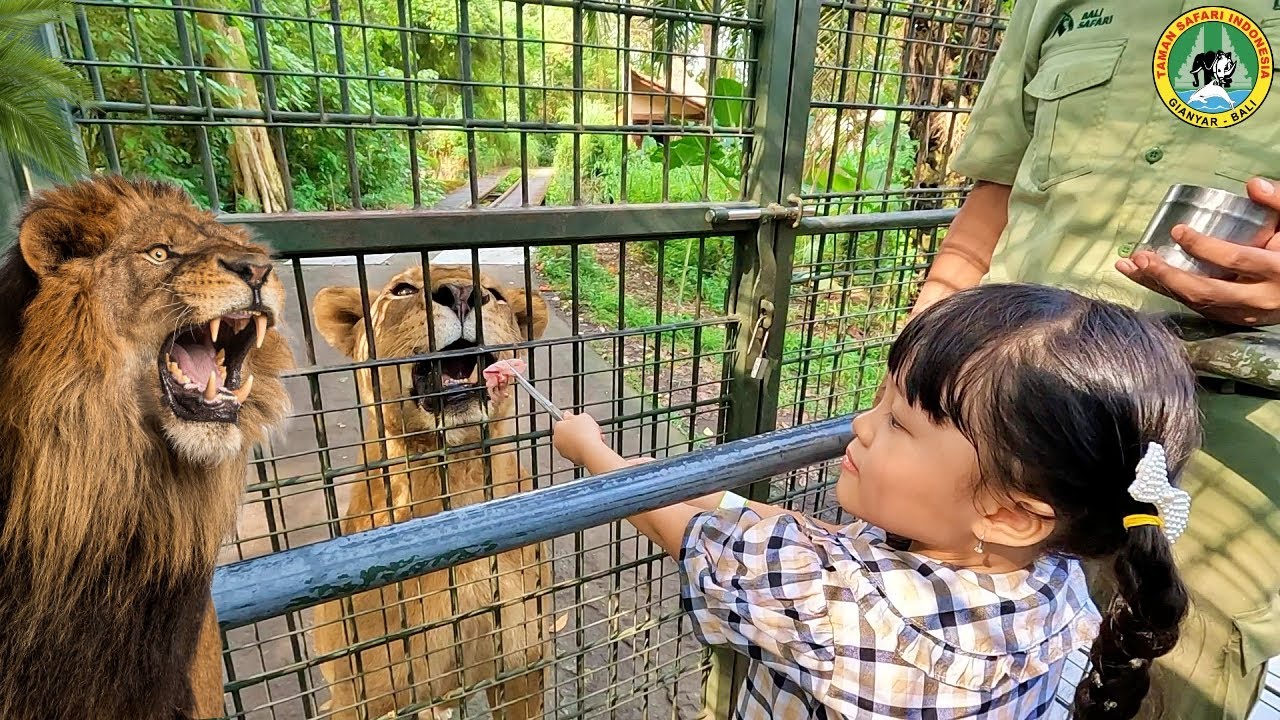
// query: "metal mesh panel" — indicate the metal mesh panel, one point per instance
point(891, 93)
point(302, 104)
point(634, 352)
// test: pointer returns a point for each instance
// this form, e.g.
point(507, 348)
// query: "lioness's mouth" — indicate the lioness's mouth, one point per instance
point(455, 378)
point(201, 366)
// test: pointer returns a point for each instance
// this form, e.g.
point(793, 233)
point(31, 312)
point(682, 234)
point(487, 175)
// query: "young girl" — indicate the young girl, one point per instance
point(1022, 428)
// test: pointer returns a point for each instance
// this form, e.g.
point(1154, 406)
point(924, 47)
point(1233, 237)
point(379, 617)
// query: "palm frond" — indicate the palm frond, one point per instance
point(20, 17)
point(32, 86)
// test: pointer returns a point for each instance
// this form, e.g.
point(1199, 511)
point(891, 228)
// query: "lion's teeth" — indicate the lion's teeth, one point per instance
point(242, 393)
point(211, 387)
point(261, 321)
point(214, 325)
point(221, 357)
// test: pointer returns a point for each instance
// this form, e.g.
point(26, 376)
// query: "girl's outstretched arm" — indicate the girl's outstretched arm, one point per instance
point(579, 440)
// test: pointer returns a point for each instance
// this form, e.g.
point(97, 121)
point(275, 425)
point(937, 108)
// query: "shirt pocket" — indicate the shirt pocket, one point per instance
point(1258, 632)
point(1071, 89)
point(1254, 151)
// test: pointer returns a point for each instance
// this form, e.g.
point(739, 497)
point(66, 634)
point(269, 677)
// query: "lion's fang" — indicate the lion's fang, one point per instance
point(214, 325)
point(211, 387)
point(242, 393)
point(261, 321)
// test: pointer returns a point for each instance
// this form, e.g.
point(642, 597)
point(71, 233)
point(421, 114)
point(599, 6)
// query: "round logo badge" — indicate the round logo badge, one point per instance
point(1213, 67)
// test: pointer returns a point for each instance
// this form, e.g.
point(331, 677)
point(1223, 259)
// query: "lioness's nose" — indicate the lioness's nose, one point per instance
point(253, 269)
point(457, 297)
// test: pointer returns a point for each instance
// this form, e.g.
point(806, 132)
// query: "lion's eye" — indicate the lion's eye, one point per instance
point(158, 254)
point(404, 290)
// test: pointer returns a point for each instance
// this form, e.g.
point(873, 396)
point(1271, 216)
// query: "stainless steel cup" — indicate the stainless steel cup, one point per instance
point(1214, 212)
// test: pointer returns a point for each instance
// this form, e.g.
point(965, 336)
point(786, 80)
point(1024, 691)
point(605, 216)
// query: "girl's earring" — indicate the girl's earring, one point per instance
point(980, 547)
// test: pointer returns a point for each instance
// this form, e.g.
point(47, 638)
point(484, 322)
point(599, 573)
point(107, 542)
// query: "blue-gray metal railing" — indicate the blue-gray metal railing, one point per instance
point(264, 587)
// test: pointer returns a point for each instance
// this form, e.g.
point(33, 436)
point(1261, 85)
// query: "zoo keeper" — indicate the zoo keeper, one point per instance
point(1090, 112)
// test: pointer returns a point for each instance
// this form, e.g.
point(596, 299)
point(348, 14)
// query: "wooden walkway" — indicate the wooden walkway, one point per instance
point(539, 180)
point(460, 197)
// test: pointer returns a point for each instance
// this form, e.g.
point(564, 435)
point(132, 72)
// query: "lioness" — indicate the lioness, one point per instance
point(400, 672)
point(138, 365)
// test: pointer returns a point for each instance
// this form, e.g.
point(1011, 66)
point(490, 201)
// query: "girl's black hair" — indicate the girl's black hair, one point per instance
point(1060, 395)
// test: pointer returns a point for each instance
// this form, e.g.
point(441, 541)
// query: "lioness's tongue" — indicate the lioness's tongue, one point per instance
point(196, 361)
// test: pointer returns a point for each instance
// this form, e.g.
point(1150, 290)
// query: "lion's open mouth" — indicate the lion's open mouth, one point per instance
point(201, 366)
point(454, 381)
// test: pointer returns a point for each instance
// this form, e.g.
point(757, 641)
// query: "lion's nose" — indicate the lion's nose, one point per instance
point(253, 269)
point(458, 297)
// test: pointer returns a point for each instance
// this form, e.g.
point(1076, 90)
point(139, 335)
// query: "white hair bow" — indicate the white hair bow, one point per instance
point(1152, 486)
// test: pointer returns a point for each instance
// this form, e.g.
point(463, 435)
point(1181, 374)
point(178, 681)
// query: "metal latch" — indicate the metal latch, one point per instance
point(760, 340)
point(769, 213)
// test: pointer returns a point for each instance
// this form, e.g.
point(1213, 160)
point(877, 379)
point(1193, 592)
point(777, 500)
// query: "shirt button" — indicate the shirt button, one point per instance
point(1153, 155)
point(1126, 249)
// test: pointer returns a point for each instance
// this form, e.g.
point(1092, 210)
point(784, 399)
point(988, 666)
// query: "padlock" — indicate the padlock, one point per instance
point(761, 365)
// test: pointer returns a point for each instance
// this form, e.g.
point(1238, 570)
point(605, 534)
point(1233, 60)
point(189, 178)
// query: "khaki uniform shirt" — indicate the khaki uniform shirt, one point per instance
point(1071, 118)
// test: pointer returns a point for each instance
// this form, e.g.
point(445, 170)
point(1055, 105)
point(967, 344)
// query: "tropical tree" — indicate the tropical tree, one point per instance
point(32, 86)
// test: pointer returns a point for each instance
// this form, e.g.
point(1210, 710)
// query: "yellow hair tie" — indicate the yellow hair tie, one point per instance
point(1133, 521)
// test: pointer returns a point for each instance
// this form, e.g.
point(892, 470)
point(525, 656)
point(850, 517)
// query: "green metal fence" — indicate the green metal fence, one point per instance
point(726, 205)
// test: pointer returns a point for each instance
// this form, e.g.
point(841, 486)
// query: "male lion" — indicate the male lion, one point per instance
point(138, 366)
point(396, 673)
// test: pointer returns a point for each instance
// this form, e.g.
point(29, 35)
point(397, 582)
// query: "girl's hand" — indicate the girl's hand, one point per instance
point(575, 436)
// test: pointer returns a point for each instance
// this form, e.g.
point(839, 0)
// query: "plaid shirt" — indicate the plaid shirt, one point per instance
point(842, 625)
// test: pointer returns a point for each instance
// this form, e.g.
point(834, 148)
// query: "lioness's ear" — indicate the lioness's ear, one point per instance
point(50, 236)
point(520, 303)
point(339, 315)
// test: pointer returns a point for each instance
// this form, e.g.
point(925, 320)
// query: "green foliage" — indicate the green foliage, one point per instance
point(596, 290)
point(305, 58)
point(887, 165)
point(32, 88)
point(722, 155)
point(884, 169)
point(694, 167)
point(728, 107)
